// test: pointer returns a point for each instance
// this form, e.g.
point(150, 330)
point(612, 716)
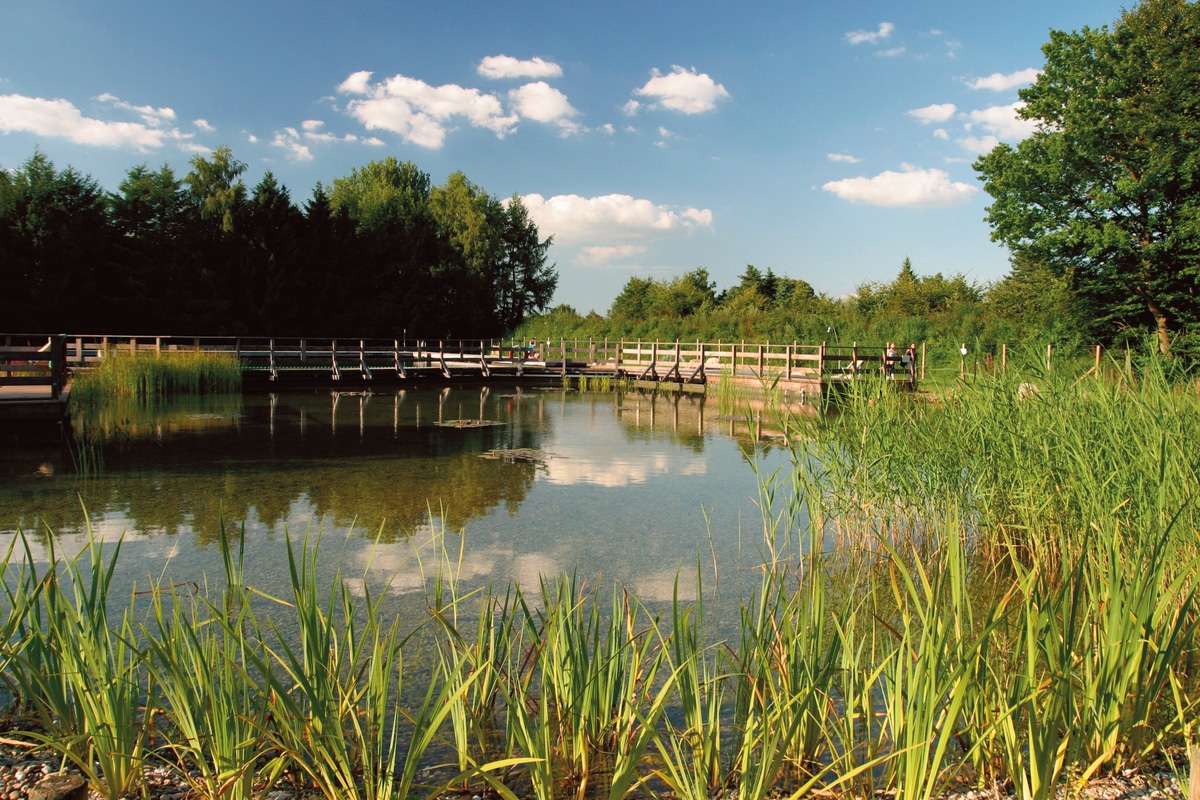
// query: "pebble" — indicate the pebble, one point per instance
point(19, 771)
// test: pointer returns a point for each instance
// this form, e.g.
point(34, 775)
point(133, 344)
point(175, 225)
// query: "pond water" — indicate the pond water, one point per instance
point(507, 483)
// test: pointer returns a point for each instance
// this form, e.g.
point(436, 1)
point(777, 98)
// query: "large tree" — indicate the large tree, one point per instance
point(1105, 191)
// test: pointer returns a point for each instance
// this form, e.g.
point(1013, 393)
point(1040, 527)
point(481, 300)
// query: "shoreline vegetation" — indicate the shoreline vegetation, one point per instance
point(153, 376)
point(995, 591)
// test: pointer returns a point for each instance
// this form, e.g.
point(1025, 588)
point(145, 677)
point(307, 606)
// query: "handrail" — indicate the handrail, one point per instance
point(676, 361)
point(30, 361)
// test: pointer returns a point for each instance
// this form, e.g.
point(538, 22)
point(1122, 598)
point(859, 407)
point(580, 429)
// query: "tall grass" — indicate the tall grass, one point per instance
point(151, 376)
point(996, 590)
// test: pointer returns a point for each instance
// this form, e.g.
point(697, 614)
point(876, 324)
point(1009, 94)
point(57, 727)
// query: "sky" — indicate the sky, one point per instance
point(824, 141)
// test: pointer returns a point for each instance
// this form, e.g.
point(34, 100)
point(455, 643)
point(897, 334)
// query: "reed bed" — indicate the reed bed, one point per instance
point(926, 620)
point(151, 376)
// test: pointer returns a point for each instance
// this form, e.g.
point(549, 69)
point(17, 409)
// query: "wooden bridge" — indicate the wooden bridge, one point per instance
point(33, 379)
point(808, 369)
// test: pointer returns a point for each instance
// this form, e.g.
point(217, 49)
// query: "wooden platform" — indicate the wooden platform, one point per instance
point(21, 404)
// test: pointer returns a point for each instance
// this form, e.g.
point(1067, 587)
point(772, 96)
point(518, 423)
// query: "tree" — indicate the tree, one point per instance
point(526, 281)
point(55, 248)
point(1106, 192)
point(216, 186)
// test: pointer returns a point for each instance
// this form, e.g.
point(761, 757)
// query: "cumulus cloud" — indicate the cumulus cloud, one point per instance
point(202, 125)
point(420, 113)
point(939, 112)
point(543, 103)
point(871, 37)
point(497, 67)
point(609, 218)
point(683, 90)
point(423, 114)
point(920, 188)
point(843, 158)
point(1004, 122)
point(979, 144)
point(1000, 82)
point(61, 118)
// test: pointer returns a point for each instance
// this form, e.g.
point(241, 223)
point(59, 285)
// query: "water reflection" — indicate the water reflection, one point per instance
point(630, 486)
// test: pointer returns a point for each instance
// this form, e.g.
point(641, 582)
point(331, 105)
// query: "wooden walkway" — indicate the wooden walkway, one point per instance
point(812, 370)
point(33, 380)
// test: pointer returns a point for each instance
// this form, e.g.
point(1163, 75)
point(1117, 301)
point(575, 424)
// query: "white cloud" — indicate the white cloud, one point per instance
point(421, 113)
point(910, 188)
point(892, 53)
point(631, 108)
point(1003, 122)
point(941, 133)
point(842, 157)
point(607, 128)
point(289, 140)
point(508, 67)
point(999, 82)
point(154, 117)
point(939, 112)
point(543, 103)
point(979, 144)
point(358, 83)
point(609, 218)
point(683, 90)
point(600, 255)
point(202, 124)
point(871, 37)
point(296, 142)
point(61, 118)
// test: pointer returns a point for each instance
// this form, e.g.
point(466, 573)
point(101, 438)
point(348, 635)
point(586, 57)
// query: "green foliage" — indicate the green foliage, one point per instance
point(1103, 193)
point(381, 252)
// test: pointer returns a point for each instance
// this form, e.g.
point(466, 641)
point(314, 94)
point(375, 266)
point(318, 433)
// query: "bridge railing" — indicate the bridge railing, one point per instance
point(33, 361)
point(692, 361)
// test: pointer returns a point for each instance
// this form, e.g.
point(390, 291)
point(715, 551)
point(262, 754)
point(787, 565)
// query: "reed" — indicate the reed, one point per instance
point(151, 376)
point(215, 707)
point(997, 589)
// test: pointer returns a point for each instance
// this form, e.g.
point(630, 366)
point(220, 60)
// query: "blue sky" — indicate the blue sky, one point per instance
point(825, 141)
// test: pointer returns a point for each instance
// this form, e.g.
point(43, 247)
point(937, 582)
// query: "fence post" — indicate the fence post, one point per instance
point(563, 346)
point(1097, 361)
point(58, 364)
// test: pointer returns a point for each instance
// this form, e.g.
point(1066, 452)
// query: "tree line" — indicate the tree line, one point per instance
point(764, 306)
point(374, 253)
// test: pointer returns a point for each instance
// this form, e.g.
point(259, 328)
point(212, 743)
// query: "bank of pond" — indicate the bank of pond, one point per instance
point(995, 589)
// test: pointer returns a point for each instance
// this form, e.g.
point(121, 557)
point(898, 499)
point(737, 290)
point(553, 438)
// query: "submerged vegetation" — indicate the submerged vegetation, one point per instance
point(994, 590)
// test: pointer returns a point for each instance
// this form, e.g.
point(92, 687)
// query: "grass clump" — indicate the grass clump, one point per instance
point(154, 376)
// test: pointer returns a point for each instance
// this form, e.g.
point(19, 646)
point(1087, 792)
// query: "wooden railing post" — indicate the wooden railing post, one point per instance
point(58, 364)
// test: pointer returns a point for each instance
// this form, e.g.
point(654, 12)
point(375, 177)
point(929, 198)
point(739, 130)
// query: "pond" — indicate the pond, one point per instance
point(507, 483)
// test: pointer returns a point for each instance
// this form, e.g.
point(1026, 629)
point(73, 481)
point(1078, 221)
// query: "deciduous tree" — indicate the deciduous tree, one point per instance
point(1106, 191)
